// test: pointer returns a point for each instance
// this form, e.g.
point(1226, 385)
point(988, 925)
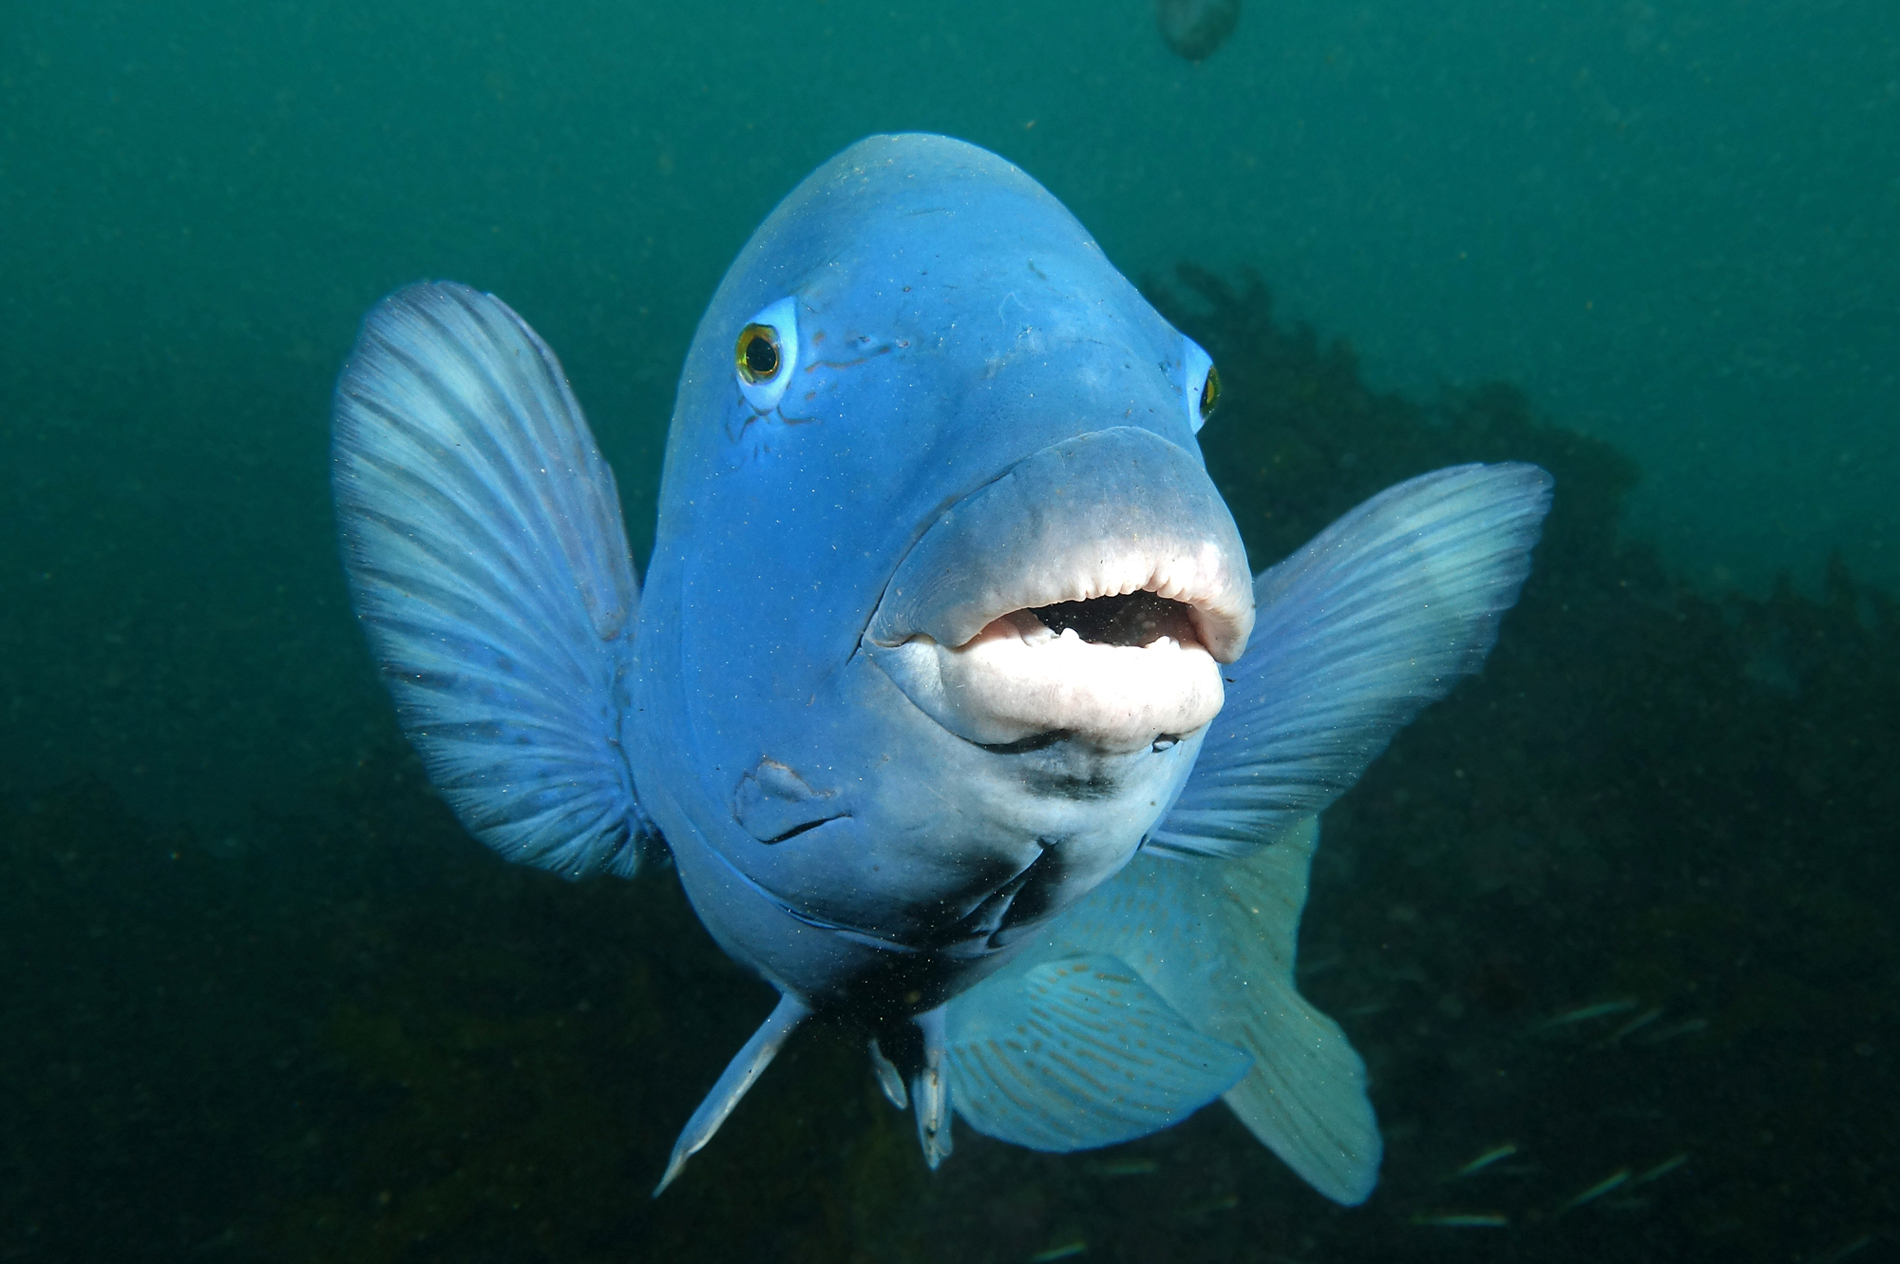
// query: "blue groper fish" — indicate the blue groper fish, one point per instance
point(949, 692)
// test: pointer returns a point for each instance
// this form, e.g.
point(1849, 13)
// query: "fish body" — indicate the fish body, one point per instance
point(948, 690)
point(927, 436)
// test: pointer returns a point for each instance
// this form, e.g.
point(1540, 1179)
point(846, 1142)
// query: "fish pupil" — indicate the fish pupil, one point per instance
point(758, 353)
point(761, 356)
point(1210, 392)
point(1130, 619)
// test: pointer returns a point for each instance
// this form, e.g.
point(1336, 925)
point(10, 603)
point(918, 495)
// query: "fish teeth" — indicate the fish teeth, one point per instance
point(1015, 682)
point(1042, 634)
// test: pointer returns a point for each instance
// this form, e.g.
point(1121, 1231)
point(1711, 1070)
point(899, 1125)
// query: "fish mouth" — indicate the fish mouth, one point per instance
point(1092, 591)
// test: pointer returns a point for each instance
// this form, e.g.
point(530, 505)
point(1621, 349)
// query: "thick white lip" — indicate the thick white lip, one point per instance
point(1106, 514)
point(1194, 572)
point(1017, 680)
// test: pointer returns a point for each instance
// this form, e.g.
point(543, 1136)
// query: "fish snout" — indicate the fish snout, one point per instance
point(1090, 591)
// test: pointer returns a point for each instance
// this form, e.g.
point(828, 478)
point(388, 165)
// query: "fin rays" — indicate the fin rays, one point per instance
point(1382, 613)
point(1078, 1053)
point(482, 535)
point(1215, 940)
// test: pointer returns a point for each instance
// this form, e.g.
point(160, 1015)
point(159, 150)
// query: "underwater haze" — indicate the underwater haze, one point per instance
point(1677, 228)
point(1613, 925)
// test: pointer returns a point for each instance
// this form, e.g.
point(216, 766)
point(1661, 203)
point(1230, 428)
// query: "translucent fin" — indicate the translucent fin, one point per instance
point(482, 535)
point(1215, 940)
point(1305, 1096)
point(889, 1078)
point(1382, 613)
point(739, 1076)
point(930, 1089)
point(1078, 1053)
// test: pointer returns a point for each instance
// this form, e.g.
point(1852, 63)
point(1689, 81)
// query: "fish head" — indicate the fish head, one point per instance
point(952, 585)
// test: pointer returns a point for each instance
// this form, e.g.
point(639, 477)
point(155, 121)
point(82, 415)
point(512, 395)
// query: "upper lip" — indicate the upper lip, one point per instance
point(1103, 514)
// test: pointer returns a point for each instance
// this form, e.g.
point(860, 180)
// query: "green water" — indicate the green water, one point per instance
point(260, 966)
point(1678, 228)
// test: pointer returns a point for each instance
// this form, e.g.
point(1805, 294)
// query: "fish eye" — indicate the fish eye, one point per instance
point(765, 353)
point(758, 352)
point(1201, 382)
point(1210, 392)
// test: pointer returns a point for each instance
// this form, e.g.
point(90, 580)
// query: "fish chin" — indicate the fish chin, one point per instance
point(1019, 681)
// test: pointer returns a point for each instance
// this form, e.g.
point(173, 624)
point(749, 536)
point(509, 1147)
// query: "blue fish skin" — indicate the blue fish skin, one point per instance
point(945, 623)
point(953, 320)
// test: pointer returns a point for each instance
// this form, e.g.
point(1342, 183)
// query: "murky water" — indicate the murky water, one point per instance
point(1626, 898)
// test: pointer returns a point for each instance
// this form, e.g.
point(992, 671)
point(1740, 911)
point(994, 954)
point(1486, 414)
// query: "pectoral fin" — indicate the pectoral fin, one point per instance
point(1381, 614)
point(482, 536)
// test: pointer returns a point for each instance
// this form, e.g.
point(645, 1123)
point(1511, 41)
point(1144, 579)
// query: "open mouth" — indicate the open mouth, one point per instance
point(1092, 591)
point(1137, 618)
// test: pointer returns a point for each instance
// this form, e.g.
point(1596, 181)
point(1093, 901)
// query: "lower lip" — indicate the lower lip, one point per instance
point(1016, 679)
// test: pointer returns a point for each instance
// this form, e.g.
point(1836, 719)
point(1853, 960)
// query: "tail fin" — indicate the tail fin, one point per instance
point(483, 540)
point(1215, 940)
point(1305, 1096)
point(1077, 1053)
point(1381, 614)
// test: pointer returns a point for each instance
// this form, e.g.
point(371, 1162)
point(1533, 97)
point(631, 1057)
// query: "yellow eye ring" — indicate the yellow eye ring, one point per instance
point(757, 354)
point(1210, 392)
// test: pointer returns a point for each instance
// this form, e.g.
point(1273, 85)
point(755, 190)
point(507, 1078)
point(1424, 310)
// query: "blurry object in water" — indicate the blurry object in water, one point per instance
point(1123, 1167)
point(1462, 1220)
point(1637, 1023)
point(1494, 1155)
point(1584, 1013)
point(1196, 28)
point(1851, 1247)
point(1688, 1027)
point(1614, 1180)
point(1664, 1168)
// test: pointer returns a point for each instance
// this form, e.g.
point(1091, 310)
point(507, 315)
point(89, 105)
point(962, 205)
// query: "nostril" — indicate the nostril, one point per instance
point(1137, 618)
